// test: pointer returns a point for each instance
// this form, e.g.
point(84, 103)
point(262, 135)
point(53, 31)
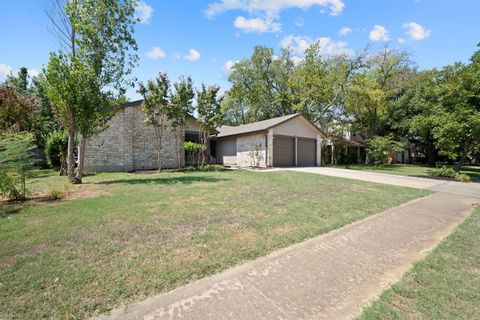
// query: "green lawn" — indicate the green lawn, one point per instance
point(408, 169)
point(120, 237)
point(444, 285)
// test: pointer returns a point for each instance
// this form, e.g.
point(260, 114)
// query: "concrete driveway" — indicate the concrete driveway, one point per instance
point(460, 188)
point(328, 277)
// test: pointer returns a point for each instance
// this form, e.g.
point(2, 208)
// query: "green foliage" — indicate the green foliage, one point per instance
point(193, 150)
point(208, 107)
point(448, 172)
point(463, 177)
point(383, 149)
point(18, 109)
point(55, 194)
point(442, 172)
point(17, 159)
point(155, 99)
point(56, 148)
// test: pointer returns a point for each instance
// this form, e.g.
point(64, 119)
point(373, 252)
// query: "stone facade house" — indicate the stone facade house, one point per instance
point(128, 144)
point(280, 142)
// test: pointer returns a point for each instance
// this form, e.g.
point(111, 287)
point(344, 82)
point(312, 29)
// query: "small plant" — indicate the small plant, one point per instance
point(442, 172)
point(17, 159)
point(55, 194)
point(463, 177)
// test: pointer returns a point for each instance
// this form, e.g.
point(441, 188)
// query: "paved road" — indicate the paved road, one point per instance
point(328, 277)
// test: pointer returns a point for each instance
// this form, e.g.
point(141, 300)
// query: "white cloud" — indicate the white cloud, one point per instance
point(257, 25)
point(33, 73)
point(193, 55)
point(156, 53)
point(416, 32)
point(299, 22)
point(379, 33)
point(297, 60)
point(327, 47)
point(344, 31)
point(271, 7)
point(227, 67)
point(401, 40)
point(5, 70)
point(143, 11)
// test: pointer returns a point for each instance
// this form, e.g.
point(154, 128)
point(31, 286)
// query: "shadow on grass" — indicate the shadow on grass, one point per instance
point(186, 179)
point(9, 210)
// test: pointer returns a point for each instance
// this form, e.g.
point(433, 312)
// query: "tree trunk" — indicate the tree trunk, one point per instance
point(81, 159)
point(71, 156)
point(63, 163)
point(159, 133)
point(466, 150)
point(431, 154)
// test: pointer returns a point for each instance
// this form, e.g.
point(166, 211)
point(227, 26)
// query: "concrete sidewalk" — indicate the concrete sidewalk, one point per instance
point(328, 277)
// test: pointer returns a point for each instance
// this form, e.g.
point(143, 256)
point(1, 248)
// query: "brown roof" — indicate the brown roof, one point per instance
point(225, 131)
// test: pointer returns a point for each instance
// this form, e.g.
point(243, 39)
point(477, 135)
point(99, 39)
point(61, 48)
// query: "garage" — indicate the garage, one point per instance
point(283, 151)
point(306, 152)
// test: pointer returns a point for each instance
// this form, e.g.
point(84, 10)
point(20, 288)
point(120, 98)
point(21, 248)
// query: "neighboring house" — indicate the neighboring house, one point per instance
point(280, 142)
point(128, 144)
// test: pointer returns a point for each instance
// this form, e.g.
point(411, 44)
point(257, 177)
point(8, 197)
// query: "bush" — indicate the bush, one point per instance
point(56, 148)
point(442, 172)
point(463, 177)
point(193, 150)
point(383, 149)
point(55, 194)
point(17, 159)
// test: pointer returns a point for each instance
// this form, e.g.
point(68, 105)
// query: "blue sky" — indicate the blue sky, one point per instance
point(202, 38)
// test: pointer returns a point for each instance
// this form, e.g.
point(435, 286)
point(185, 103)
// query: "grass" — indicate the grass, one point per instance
point(120, 237)
point(409, 170)
point(444, 285)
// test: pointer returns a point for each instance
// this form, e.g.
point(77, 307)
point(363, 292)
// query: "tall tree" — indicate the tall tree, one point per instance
point(156, 94)
point(97, 37)
point(180, 108)
point(209, 116)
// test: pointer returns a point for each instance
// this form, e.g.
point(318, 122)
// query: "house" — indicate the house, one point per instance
point(280, 142)
point(128, 144)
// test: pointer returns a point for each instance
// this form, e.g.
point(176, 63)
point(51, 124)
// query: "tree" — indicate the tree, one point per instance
point(156, 96)
point(261, 86)
point(179, 108)
point(321, 82)
point(457, 121)
point(56, 150)
point(209, 116)
point(383, 149)
point(370, 92)
point(17, 159)
point(97, 37)
point(18, 110)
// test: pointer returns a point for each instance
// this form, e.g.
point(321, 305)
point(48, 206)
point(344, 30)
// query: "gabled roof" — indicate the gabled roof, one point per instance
point(225, 131)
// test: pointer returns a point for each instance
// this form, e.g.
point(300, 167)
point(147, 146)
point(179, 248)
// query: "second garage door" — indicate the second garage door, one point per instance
point(306, 154)
point(283, 152)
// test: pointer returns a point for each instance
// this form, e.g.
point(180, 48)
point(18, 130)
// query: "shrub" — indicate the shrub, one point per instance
point(193, 150)
point(17, 159)
point(383, 149)
point(463, 177)
point(55, 194)
point(443, 172)
point(56, 148)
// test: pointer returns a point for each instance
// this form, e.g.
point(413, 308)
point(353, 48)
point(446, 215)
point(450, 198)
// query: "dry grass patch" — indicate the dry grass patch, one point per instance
point(147, 234)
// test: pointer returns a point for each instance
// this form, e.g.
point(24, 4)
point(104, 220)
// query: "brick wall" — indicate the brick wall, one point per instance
point(128, 144)
point(246, 147)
